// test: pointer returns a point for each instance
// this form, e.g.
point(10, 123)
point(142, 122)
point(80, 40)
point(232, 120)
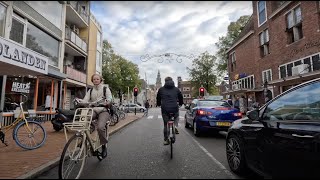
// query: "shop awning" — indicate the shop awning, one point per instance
point(18, 60)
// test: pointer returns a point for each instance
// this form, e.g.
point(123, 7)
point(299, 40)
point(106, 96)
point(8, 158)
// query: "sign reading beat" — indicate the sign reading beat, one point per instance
point(20, 87)
point(18, 55)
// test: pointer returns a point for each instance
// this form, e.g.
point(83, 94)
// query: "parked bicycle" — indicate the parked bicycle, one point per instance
point(27, 133)
point(83, 144)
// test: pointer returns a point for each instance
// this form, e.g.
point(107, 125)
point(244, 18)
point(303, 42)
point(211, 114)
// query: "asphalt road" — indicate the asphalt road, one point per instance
point(137, 152)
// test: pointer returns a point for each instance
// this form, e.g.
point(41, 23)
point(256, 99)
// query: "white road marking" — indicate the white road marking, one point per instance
point(159, 116)
point(211, 156)
point(150, 117)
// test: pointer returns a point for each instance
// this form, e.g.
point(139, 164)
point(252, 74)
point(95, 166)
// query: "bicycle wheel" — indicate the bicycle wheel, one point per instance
point(122, 115)
point(29, 140)
point(73, 158)
point(171, 130)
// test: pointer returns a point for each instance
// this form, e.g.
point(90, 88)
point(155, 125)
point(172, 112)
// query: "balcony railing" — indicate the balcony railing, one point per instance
point(73, 37)
point(75, 74)
point(77, 7)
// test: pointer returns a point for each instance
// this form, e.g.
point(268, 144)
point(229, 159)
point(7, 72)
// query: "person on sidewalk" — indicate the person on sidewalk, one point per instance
point(100, 113)
point(146, 105)
point(167, 98)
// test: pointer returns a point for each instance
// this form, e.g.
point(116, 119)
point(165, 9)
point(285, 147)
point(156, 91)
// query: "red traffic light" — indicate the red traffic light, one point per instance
point(201, 89)
point(135, 89)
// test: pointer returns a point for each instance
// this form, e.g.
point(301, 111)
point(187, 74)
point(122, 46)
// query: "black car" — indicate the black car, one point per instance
point(282, 138)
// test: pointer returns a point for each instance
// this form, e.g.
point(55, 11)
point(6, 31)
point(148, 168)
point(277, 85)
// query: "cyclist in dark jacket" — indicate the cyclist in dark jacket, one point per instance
point(167, 98)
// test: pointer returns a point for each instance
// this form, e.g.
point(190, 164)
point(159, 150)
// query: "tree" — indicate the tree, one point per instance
point(118, 72)
point(202, 73)
point(225, 42)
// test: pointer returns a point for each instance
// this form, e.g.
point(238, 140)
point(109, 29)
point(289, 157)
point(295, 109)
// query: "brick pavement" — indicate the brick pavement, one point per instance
point(16, 162)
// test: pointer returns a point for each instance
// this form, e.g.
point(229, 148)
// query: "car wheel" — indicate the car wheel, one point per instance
point(141, 110)
point(196, 130)
point(235, 155)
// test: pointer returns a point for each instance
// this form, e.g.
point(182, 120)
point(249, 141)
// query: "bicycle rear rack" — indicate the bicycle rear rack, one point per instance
point(81, 121)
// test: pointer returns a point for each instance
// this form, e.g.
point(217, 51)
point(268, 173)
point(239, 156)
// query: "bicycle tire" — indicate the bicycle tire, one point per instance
point(122, 115)
point(82, 150)
point(34, 126)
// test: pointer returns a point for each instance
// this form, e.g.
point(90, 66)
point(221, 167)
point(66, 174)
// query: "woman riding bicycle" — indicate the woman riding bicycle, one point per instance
point(99, 113)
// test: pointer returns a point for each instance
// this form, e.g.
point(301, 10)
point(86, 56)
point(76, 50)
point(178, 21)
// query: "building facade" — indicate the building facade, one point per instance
point(277, 49)
point(45, 54)
point(186, 89)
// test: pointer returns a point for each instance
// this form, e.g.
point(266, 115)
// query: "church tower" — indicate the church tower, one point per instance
point(158, 82)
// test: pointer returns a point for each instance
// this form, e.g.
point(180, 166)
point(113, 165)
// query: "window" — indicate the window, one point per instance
point(3, 11)
point(43, 43)
point(294, 25)
point(266, 75)
point(98, 61)
point(186, 89)
point(233, 61)
point(17, 29)
point(99, 40)
point(262, 13)
point(300, 104)
point(51, 10)
point(264, 43)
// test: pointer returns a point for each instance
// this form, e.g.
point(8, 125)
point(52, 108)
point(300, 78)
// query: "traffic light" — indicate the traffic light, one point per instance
point(135, 91)
point(201, 91)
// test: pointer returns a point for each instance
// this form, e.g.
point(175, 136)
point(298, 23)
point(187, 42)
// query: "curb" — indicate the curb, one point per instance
point(49, 165)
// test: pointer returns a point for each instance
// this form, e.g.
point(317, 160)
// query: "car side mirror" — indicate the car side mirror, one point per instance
point(253, 115)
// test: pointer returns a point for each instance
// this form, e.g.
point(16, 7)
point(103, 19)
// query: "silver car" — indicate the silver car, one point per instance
point(132, 107)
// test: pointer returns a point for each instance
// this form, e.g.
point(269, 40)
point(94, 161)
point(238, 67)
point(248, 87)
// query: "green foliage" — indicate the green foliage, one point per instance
point(118, 72)
point(203, 74)
point(225, 42)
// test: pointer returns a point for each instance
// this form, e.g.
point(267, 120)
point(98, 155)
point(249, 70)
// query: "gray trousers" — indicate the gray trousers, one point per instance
point(165, 118)
point(103, 117)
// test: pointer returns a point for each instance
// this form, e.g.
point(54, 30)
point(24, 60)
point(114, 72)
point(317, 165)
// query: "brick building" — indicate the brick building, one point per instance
point(186, 89)
point(279, 45)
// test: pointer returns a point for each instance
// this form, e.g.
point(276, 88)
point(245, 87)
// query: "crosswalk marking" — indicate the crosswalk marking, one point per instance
point(150, 117)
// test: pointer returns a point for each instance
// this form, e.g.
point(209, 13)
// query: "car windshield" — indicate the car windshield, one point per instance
point(213, 104)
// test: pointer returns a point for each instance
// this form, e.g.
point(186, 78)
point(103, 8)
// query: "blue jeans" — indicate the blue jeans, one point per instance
point(165, 118)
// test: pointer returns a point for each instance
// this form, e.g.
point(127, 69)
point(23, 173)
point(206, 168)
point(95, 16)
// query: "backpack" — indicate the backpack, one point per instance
point(104, 91)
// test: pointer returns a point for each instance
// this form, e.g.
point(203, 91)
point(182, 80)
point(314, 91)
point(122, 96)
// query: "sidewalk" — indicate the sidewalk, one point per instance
point(18, 163)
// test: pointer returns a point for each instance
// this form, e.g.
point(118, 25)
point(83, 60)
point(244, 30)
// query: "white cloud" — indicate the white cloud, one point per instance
point(157, 27)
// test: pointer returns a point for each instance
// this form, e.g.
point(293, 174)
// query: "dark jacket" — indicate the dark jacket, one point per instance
point(147, 105)
point(168, 97)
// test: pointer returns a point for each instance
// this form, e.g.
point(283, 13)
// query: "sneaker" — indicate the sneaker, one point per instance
point(176, 130)
point(166, 142)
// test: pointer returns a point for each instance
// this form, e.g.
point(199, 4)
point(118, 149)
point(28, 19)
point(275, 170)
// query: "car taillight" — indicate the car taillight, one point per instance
point(202, 112)
point(237, 114)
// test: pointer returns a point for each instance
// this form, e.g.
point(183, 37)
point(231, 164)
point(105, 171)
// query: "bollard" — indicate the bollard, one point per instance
point(135, 111)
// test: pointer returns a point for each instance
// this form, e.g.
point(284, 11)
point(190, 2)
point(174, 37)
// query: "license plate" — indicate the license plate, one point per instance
point(223, 124)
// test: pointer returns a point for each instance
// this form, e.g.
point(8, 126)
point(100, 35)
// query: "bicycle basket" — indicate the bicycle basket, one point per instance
point(81, 120)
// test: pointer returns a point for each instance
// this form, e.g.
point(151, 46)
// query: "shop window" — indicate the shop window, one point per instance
point(316, 62)
point(15, 86)
point(3, 11)
point(262, 13)
point(264, 43)
point(294, 25)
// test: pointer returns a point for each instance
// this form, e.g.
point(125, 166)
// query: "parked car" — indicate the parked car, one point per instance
point(210, 115)
point(282, 138)
point(132, 107)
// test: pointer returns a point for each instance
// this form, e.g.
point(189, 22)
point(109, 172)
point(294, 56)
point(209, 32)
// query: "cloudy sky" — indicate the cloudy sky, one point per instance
point(137, 30)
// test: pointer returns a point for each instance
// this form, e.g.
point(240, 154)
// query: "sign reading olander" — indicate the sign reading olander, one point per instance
point(18, 55)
